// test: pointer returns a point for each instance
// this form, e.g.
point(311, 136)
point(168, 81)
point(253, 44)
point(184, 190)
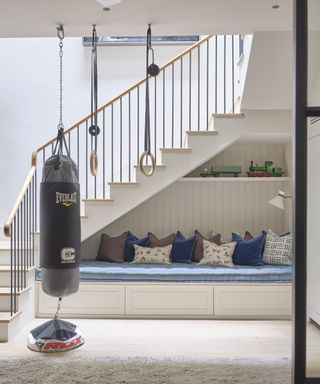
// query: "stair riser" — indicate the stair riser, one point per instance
point(5, 257)
point(5, 279)
point(5, 303)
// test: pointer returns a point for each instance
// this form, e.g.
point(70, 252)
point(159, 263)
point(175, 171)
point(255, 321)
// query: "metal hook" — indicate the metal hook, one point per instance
point(60, 31)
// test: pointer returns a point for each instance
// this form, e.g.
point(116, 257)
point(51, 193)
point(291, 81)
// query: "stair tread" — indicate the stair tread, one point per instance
point(202, 133)
point(96, 201)
point(7, 291)
point(7, 268)
point(123, 183)
point(6, 317)
point(160, 166)
point(228, 115)
point(177, 150)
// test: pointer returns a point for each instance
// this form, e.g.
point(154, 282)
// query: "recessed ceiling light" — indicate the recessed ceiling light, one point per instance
point(276, 6)
point(106, 9)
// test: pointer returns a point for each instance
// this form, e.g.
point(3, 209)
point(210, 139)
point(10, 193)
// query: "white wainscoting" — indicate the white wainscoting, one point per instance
point(219, 204)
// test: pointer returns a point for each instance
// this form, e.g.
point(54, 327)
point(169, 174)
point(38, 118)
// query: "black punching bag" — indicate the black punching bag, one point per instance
point(60, 226)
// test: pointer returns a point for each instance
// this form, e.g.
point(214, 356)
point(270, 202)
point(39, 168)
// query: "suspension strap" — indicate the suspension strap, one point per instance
point(61, 141)
point(94, 130)
point(147, 144)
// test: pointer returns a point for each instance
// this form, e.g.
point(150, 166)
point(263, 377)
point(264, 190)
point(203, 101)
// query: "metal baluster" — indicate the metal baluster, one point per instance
point(172, 108)
point(86, 159)
point(11, 269)
point(224, 74)
point(21, 249)
point(95, 176)
point(78, 151)
point(52, 148)
point(233, 101)
point(44, 155)
point(18, 250)
point(199, 63)
point(164, 109)
point(14, 266)
point(207, 97)
point(35, 201)
point(33, 216)
point(24, 241)
point(138, 122)
point(190, 89)
point(104, 154)
point(129, 138)
point(216, 76)
point(181, 99)
point(69, 142)
point(111, 142)
point(155, 119)
point(121, 139)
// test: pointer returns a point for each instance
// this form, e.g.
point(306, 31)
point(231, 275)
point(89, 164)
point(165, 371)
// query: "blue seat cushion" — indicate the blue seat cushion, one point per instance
point(248, 252)
point(183, 248)
point(129, 249)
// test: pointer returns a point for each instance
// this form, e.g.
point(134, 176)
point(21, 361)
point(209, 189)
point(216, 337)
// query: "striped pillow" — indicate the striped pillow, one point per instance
point(277, 249)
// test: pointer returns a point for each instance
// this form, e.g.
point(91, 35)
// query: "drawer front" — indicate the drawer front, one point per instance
point(89, 300)
point(252, 300)
point(169, 299)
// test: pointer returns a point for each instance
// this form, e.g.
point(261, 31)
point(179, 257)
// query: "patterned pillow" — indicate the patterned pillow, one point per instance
point(156, 255)
point(198, 251)
point(277, 249)
point(218, 255)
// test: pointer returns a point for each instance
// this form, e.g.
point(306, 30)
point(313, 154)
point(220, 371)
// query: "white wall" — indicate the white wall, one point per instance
point(29, 97)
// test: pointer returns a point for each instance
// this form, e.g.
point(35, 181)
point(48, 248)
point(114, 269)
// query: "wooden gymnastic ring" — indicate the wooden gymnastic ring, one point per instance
point(142, 167)
point(94, 163)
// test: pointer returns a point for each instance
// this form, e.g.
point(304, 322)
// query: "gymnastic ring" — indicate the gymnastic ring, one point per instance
point(94, 163)
point(142, 167)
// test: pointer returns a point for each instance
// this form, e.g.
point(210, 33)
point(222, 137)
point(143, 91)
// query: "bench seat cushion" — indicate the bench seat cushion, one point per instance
point(94, 270)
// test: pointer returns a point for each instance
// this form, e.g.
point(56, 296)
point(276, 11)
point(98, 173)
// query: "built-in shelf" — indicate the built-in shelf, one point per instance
point(236, 179)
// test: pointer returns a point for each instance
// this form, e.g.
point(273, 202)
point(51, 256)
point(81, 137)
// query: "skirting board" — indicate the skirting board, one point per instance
point(171, 300)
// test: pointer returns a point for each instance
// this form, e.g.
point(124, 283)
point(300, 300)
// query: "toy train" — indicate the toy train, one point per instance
point(266, 170)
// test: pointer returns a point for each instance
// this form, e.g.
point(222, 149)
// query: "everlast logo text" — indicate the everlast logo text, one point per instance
point(66, 199)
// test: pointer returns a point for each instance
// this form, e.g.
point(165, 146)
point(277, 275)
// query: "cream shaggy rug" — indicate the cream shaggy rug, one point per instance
point(64, 369)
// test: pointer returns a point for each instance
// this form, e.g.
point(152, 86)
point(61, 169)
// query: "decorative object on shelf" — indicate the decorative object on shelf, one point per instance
point(278, 201)
point(219, 170)
point(266, 170)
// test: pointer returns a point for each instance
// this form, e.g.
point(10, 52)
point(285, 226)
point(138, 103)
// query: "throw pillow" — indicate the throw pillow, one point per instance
point(248, 252)
point(156, 255)
point(278, 249)
point(131, 240)
point(183, 248)
point(112, 248)
point(198, 252)
point(217, 255)
point(155, 242)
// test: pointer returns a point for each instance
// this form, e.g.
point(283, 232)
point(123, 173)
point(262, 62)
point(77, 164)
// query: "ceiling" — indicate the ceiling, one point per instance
point(38, 18)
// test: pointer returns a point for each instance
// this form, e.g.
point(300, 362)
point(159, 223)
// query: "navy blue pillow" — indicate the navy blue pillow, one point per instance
point(183, 248)
point(248, 252)
point(129, 250)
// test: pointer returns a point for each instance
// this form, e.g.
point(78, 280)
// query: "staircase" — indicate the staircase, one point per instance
point(190, 99)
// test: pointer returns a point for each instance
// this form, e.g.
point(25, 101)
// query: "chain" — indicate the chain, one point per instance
point(56, 316)
point(61, 36)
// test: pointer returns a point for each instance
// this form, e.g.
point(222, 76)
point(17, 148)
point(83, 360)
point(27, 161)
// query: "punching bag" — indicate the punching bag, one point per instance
point(60, 225)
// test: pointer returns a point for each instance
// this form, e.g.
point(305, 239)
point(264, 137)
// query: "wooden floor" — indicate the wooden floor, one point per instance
point(187, 339)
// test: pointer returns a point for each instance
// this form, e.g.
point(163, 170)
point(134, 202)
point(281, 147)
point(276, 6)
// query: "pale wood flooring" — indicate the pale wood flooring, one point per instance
point(186, 339)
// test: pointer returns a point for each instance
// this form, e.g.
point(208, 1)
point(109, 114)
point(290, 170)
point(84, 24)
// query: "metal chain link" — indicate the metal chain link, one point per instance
point(61, 37)
point(56, 316)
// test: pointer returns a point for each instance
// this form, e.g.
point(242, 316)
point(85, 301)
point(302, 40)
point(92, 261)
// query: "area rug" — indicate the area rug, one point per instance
point(65, 369)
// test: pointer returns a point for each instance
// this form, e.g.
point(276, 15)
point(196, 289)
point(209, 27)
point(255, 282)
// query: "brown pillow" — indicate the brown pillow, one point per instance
point(198, 252)
point(112, 248)
point(248, 236)
point(155, 242)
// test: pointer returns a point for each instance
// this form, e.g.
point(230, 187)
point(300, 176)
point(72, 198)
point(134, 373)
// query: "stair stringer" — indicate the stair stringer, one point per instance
point(177, 163)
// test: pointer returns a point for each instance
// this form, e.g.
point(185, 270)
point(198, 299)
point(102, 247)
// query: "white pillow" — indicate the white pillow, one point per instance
point(218, 255)
point(277, 249)
point(156, 255)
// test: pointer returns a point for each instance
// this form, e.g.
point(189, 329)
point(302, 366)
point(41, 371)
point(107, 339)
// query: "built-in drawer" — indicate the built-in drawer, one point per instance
point(252, 300)
point(91, 299)
point(169, 300)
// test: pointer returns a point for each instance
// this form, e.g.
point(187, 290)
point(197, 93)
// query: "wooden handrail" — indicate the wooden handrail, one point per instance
point(28, 180)
point(123, 94)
